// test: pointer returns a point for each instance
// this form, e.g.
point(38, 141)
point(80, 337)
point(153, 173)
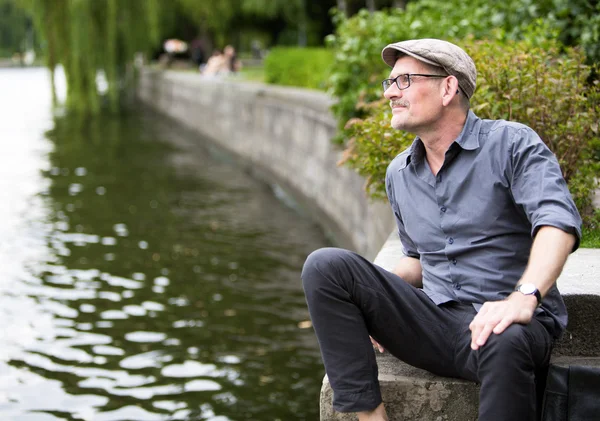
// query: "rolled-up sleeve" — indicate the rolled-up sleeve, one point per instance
point(409, 247)
point(538, 187)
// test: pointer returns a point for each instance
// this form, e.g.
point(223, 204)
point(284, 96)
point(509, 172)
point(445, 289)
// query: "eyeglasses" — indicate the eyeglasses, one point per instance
point(404, 81)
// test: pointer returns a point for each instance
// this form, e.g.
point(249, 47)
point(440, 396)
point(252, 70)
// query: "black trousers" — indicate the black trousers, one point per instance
point(349, 298)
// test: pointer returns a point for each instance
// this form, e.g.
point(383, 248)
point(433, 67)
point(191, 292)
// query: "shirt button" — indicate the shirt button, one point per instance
point(451, 240)
point(443, 209)
point(457, 287)
point(454, 262)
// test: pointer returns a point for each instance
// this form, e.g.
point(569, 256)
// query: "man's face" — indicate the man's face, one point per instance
point(416, 108)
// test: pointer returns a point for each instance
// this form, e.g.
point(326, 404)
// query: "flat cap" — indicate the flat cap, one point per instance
point(453, 59)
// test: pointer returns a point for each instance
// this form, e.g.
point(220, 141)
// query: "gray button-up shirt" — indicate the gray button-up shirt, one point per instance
point(472, 225)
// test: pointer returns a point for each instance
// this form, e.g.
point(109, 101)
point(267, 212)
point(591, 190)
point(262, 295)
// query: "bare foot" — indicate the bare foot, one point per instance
point(378, 414)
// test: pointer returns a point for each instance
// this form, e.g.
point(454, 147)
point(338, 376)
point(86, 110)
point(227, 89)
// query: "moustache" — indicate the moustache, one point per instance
point(399, 103)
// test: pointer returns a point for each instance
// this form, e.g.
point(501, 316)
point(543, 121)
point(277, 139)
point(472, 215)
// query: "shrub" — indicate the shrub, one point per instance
point(358, 41)
point(535, 85)
point(302, 67)
point(578, 22)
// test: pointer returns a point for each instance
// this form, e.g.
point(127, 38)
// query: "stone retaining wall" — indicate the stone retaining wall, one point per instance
point(287, 133)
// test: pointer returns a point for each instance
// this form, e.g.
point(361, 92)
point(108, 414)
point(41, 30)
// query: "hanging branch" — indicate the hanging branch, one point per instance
point(90, 36)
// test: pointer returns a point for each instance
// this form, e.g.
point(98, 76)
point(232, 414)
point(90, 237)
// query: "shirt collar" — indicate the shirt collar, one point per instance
point(468, 139)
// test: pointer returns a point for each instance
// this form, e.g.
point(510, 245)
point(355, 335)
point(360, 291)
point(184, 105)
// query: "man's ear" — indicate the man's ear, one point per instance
point(449, 89)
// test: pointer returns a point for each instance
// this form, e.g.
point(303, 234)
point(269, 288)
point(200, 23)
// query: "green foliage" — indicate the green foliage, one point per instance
point(224, 18)
point(372, 144)
point(302, 67)
point(214, 16)
point(87, 36)
point(535, 85)
point(290, 9)
point(578, 22)
point(591, 232)
point(358, 41)
point(13, 28)
point(252, 74)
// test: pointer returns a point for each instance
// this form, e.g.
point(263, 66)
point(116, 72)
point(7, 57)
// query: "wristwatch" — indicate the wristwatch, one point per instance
point(530, 289)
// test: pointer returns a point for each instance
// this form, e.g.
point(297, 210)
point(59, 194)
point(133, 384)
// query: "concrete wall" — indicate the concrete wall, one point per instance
point(287, 133)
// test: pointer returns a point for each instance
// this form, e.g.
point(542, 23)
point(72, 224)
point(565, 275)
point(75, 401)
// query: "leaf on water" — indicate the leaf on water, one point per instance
point(306, 324)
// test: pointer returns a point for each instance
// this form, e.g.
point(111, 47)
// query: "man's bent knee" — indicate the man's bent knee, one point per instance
point(322, 264)
point(513, 339)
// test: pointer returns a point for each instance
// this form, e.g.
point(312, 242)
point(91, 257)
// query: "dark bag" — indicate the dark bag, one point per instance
point(572, 394)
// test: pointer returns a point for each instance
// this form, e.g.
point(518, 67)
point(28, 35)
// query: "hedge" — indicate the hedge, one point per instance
point(302, 67)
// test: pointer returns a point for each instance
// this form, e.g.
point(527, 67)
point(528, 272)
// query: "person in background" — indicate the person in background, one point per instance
point(233, 64)
point(197, 51)
point(215, 64)
point(486, 222)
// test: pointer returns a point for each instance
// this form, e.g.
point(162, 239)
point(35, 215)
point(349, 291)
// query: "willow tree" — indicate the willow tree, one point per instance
point(91, 36)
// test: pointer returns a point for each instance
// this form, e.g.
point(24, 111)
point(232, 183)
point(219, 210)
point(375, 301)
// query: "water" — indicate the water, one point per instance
point(144, 275)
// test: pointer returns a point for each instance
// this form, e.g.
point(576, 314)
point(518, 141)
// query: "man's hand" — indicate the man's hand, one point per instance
point(496, 316)
point(549, 252)
point(377, 345)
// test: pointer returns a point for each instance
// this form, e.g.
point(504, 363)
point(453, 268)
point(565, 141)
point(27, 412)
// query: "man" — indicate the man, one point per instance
point(486, 222)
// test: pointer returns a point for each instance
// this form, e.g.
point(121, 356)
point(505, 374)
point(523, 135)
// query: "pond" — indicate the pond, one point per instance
point(144, 273)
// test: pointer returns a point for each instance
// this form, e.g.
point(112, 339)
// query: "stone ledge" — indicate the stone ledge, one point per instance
point(411, 394)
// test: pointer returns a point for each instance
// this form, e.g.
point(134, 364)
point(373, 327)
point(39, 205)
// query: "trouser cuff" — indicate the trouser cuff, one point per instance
point(366, 400)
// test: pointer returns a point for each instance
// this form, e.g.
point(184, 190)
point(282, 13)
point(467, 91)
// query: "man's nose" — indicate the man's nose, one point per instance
point(392, 92)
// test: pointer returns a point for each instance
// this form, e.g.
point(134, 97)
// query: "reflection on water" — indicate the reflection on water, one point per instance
point(143, 275)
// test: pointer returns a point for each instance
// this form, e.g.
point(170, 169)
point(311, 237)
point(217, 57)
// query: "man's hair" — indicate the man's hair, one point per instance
point(464, 101)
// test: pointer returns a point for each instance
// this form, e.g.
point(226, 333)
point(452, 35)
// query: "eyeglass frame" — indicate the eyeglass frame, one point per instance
point(408, 79)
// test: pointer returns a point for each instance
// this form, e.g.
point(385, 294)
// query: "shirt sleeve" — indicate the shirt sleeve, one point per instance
point(408, 246)
point(538, 187)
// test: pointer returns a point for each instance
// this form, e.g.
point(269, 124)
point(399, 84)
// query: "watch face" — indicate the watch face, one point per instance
point(527, 288)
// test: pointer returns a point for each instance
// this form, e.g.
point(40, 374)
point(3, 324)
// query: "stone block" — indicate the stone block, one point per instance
point(411, 394)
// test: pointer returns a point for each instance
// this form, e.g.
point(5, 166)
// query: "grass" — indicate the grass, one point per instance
point(591, 238)
point(246, 74)
point(253, 74)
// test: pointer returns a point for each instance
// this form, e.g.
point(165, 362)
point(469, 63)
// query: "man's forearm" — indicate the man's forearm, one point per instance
point(549, 252)
point(409, 269)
